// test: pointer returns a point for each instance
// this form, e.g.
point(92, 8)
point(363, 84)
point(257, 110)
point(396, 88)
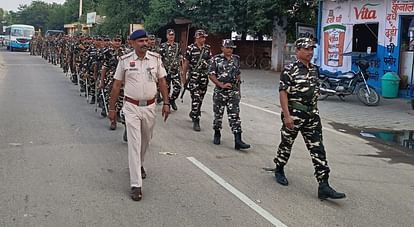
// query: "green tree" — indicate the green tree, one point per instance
point(255, 17)
point(119, 14)
point(35, 14)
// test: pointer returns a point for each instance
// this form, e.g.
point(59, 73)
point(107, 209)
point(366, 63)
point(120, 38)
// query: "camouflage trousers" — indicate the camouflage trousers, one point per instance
point(107, 91)
point(174, 82)
point(229, 99)
point(91, 85)
point(311, 129)
point(197, 85)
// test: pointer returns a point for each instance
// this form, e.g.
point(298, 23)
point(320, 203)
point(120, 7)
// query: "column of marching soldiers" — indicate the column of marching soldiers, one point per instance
point(89, 63)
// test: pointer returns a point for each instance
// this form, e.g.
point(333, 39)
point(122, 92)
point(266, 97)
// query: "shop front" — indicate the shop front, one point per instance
point(379, 31)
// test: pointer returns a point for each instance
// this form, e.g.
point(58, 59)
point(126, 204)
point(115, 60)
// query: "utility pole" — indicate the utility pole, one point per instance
point(80, 9)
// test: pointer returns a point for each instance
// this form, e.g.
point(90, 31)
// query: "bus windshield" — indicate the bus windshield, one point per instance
point(22, 32)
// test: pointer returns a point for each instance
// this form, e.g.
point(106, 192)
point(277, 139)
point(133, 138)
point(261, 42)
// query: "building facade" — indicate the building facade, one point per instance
point(380, 31)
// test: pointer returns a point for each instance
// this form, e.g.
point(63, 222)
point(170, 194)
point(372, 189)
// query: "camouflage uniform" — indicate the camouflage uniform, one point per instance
point(110, 62)
point(171, 59)
point(302, 86)
point(197, 76)
point(226, 71)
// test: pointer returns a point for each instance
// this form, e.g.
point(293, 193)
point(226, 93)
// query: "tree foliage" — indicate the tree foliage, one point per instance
point(255, 17)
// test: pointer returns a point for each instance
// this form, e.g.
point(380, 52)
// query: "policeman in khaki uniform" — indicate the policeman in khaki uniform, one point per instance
point(140, 71)
point(299, 90)
point(225, 74)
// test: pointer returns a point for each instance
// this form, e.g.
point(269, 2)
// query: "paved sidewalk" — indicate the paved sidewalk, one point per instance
point(261, 88)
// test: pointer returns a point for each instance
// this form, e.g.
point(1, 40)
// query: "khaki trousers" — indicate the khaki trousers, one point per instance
point(140, 122)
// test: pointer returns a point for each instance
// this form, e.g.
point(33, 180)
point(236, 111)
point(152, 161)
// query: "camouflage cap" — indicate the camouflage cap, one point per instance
point(200, 32)
point(304, 43)
point(228, 43)
point(170, 31)
point(151, 37)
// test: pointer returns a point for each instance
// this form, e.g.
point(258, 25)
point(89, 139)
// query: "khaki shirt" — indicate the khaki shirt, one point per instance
point(140, 76)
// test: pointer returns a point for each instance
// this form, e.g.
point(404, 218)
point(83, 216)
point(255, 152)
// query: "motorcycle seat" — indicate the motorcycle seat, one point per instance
point(347, 75)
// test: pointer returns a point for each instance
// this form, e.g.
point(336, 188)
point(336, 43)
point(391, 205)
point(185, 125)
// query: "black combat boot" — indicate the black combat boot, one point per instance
point(217, 136)
point(173, 105)
point(238, 143)
point(196, 125)
point(74, 79)
point(103, 113)
point(325, 192)
point(280, 176)
point(92, 100)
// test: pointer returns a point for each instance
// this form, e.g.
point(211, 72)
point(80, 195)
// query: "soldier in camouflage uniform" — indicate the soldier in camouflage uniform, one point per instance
point(111, 56)
point(299, 90)
point(171, 54)
point(197, 62)
point(152, 46)
point(225, 74)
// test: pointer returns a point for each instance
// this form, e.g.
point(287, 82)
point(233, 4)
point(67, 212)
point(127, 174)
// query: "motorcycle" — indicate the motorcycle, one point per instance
point(349, 83)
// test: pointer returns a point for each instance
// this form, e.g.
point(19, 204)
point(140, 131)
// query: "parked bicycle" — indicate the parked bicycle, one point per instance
point(261, 62)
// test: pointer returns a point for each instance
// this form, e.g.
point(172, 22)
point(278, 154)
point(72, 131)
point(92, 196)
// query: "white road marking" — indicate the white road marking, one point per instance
point(268, 216)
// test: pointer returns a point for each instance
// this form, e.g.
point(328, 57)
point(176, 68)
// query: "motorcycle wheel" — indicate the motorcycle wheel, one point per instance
point(323, 95)
point(371, 99)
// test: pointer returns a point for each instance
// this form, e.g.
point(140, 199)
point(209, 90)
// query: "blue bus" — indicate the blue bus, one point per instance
point(18, 36)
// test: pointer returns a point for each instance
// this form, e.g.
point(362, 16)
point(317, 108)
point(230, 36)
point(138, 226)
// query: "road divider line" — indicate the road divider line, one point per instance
point(265, 214)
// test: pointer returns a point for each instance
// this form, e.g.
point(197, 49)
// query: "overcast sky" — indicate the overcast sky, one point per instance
point(13, 4)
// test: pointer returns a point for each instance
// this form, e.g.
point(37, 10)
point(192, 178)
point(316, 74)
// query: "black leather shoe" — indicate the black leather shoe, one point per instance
point(326, 192)
point(217, 137)
point(280, 176)
point(92, 100)
point(143, 173)
point(173, 105)
point(196, 125)
point(136, 193)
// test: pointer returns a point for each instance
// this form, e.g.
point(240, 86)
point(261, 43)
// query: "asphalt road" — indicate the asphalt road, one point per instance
point(61, 166)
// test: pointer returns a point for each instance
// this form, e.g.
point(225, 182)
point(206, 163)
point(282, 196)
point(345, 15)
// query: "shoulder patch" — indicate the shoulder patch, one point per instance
point(154, 54)
point(126, 55)
point(236, 56)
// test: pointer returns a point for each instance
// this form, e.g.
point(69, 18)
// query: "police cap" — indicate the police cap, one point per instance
point(138, 34)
